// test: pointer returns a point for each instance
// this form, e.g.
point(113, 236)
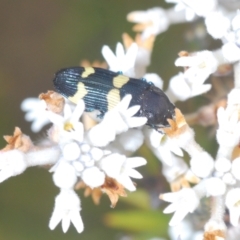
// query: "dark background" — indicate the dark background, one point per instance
point(36, 39)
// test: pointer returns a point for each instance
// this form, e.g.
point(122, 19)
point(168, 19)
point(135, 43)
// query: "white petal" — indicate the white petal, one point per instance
point(132, 110)
point(29, 103)
point(131, 54)
point(178, 216)
point(77, 221)
point(126, 182)
point(201, 89)
point(136, 162)
point(123, 105)
point(120, 52)
point(55, 219)
point(136, 121)
point(171, 208)
point(234, 216)
point(170, 197)
point(109, 56)
point(78, 111)
point(134, 174)
point(66, 222)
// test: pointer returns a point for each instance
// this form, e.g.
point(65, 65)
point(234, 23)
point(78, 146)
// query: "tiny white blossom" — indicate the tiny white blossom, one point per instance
point(12, 163)
point(233, 204)
point(236, 168)
point(202, 164)
point(180, 88)
point(229, 128)
point(231, 52)
point(215, 186)
point(180, 6)
point(68, 124)
point(177, 168)
point(202, 7)
point(71, 151)
point(200, 66)
point(229, 179)
point(67, 207)
point(35, 112)
point(236, 22)
point(223, 164)
point(121, 168)
point(93, 177)
point(163, 144)
point(183, 202)
point(155, 79)
point(184, 230)
point(122, 61)
point(217, 24)
point(127, 142)
point(234, 98)
point(156, 18)
point(65, 175)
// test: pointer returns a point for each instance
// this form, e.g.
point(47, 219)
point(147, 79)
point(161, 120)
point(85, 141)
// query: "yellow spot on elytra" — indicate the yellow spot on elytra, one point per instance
point(68, 126)
point(113, 98)
point(87, 72)
point(81, 93)
point(120, 80)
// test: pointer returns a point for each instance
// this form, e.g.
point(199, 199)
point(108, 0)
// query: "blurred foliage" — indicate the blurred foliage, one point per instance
point(38, 38)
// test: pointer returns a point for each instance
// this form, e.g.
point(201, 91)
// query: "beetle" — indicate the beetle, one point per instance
point(103, 89)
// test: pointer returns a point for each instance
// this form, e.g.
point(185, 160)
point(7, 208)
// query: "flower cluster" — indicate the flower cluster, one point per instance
point(97, 156)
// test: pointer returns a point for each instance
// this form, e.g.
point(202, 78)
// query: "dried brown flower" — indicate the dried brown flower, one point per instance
point(18, 141)
point(54, 101)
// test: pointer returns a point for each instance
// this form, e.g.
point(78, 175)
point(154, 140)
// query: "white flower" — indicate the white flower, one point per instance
point(201, 7)
point(93, 177)
point(156, 20)
point(180, 87)
point(234, 98)
point(177, 168)
point(121, 168)
point(231, 52)
point(200, 66)
point(180, 6)
point(228, 179)
point(123, 62)
point(68, 125)
point(236, 168)
point(71, 151)
point(127, 142)
point(65, 175)
point(215, 186)
point(116, 121)
point(162, 144)
point(67, 207)
point(223, 164)
point(202, 164)
point(35, 112)
point(233, 204)
point(12, 163)
point(228, 133)
point(155, 79)
point(217, 24)
point(185, 231)
point(182, 202)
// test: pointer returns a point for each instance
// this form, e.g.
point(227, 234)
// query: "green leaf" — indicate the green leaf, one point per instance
point(154, 222)
point(139, 199)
